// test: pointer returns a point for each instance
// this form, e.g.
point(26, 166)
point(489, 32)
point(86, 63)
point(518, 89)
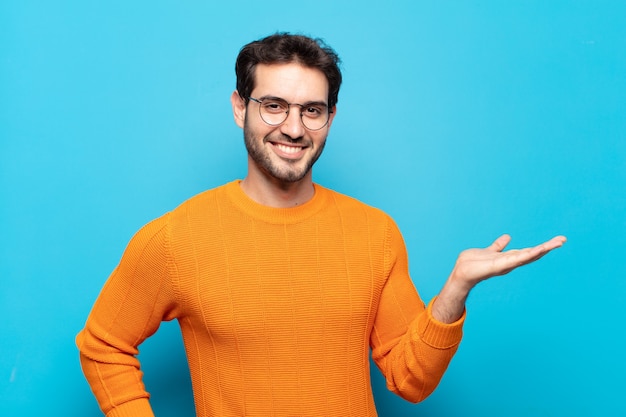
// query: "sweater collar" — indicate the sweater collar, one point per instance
point(273, 214)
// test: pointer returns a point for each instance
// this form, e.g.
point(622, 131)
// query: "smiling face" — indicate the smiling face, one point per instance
point(283, 153)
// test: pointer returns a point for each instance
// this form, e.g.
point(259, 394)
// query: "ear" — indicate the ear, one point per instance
point(239, 108)
point(331, 116)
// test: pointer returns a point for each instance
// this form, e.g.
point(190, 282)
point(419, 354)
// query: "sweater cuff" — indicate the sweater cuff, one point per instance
point(135, 408)
point(437, 334)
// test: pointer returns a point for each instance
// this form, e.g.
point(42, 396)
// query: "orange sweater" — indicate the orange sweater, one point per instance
point(278, 309)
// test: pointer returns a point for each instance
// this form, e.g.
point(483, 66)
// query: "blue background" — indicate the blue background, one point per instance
point(462, 119)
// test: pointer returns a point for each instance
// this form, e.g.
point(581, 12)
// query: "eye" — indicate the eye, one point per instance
point(274, 106)
point(313, 111)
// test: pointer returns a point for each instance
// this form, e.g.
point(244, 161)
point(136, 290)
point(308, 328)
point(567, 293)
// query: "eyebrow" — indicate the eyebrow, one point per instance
point(308, 103)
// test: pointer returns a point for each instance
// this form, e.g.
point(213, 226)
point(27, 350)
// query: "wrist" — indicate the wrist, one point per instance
point(449, 305)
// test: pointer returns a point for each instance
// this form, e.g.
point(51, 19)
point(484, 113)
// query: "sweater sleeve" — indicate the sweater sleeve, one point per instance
point(410, 347)
point(135, 299)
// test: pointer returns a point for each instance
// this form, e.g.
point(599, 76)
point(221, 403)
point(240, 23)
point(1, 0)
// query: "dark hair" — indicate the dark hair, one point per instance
point(287, 48)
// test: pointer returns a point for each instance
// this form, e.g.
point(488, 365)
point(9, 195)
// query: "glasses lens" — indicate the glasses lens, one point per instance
point(314, 116)
point(274, 111)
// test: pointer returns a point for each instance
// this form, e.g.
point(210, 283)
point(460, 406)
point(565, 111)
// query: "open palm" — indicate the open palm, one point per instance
point(475, 265)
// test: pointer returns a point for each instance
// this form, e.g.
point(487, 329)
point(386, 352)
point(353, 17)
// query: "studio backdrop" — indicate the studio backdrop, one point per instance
point(461, 119)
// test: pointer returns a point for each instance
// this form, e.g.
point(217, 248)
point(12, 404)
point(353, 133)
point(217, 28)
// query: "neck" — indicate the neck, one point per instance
point(272, 192)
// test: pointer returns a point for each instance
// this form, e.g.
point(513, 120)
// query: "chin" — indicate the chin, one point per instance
point(290, 177)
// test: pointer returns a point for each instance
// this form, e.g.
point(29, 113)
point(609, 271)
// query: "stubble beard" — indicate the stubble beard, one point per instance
point(288, 171)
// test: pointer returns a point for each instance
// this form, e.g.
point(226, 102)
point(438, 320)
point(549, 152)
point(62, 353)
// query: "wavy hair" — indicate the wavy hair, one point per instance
point(287, 48)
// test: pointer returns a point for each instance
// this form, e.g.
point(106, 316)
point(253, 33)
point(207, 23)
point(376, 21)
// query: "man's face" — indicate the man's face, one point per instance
point(288, 151)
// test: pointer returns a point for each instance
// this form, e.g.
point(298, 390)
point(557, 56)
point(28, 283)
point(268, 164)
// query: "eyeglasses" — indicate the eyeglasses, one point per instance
point(274, 112)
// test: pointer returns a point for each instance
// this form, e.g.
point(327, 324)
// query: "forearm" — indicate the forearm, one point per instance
point(113, 373)
point(117, 394)
point(414, 363)
point(449, 305)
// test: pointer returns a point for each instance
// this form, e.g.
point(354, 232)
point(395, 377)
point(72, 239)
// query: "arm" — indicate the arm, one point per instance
point(476, 265)
point(410, 347)
point(413, 345)
point(130, 308)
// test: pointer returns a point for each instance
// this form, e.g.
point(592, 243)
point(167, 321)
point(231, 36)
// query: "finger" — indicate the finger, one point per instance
point(500, 243)
point(555, 242)
point(529, 255)
point(558, 241)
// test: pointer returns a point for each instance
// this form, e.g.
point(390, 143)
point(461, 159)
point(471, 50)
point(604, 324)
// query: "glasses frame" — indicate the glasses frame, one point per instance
point(302, 106)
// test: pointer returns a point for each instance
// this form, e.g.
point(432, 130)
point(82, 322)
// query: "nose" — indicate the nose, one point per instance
point(292, 126)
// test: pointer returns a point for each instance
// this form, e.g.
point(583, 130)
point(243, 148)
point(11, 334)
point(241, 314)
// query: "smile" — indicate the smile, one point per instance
point(287, 150)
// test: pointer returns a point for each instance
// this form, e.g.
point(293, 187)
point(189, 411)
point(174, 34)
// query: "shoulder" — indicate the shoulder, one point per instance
point(197, 206)
point(356, 209)
point(365, 221)
point(203, 201)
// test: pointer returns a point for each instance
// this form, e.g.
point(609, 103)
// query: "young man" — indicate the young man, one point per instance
point(281, 286)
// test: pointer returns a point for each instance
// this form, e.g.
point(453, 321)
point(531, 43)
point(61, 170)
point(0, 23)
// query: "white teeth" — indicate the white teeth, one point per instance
point(288, 149)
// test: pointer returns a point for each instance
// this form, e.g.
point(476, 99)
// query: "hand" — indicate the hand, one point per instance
point(476, 265)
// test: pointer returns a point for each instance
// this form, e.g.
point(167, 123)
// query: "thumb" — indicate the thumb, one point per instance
point(500, 243)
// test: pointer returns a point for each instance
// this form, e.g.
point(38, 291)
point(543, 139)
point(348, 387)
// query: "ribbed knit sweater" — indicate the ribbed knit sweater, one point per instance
point(278, 309)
